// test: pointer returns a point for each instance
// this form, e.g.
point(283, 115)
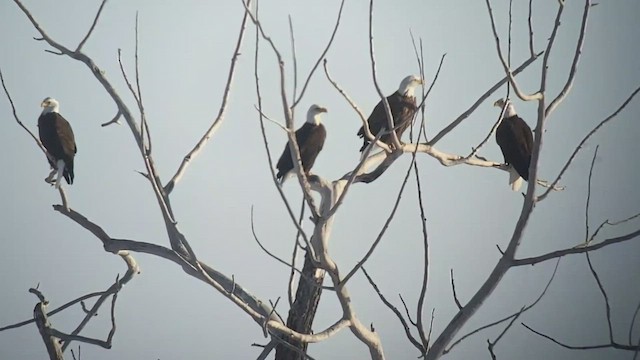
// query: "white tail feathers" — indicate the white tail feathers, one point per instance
point(514, 179)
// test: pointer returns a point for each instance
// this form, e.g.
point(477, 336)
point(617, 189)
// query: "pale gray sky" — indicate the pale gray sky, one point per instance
point(185, 49)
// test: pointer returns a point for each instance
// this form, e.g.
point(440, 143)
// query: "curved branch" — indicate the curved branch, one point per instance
point(574, 64)
point(535, 96)
point(221, 112)
point(575, 250)
point(324, 53)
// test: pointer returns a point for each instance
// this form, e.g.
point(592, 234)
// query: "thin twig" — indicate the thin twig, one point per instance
point(613, 345)
point(480, 100)
point(221, 112)
point(574, 65)
point(584, 140)
point(384, 228)
point(320, 58)
point(453, 289)
point(507, 70)
point(531, 51)
point(397, 312)
point(363, 118)
point(586, 208)
point(526, 308)
point(261, 118)
point(95, 21)
point(383, 98)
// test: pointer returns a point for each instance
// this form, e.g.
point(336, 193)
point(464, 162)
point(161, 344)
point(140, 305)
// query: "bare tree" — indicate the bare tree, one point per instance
point(324, 197)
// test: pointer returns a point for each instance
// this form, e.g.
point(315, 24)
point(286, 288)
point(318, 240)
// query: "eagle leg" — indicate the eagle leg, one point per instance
point(49, 179)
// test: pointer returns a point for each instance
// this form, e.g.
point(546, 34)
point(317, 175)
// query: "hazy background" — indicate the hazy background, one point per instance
point(185, 49)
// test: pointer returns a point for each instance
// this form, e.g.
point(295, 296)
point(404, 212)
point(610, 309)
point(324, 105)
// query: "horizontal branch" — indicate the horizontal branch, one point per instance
point(575, 250)
point(613, 345)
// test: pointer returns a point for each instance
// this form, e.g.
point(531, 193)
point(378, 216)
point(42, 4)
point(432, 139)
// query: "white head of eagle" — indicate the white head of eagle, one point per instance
point(57, 137)
point(310, 138)
point(510, 111)
point(50, 105)
point(408, 85)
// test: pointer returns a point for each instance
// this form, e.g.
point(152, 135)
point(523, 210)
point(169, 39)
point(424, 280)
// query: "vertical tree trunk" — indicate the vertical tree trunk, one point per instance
point(303, 310)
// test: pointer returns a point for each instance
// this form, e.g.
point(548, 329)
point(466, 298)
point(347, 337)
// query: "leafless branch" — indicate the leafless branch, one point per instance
point(55, 311)
point(613, 345)
point(294, 58)
point(586, 208)
point(320, 58)
point(480, 100)
point(144, 125)
point(115, 120)
point(575, 250)
point(132, 270)
point(363, 118)
point(272, 255)
point(507, 70)
point(221, 112)
point(453, 289)
point(604, 295)
point(531, 51)
point(384, 228)
point(584, 140)
point(475, 150)
point(383, 98)
point(510, 317)
point(44, 327)
point(15, 116)
point(431, 85)
point(261, 118)
point(574, 65)
point(293, 143)
point(93, 26)
point(406, 311)
point(545, 59)
point(395, 310)
point(296, 245)
point(425, 241)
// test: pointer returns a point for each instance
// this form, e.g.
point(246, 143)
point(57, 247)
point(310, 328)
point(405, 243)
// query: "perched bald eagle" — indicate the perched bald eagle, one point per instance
point(57, 137)
point(516, 142)
point(402, 104)
point(310, 138)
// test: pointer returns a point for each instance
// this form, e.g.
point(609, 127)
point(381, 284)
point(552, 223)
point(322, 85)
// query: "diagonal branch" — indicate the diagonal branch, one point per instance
point(535, 96)
point(383, 98)
point(395, 310)
point(481, 99)
point(321, 57)
point(221, 112)
point(613, 345)
point(95, 21)
point(584, 140)
point(574, 65)
point(575, 250)
point(384, 227)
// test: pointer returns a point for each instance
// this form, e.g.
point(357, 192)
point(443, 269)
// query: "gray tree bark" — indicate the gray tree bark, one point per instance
point(303, 310)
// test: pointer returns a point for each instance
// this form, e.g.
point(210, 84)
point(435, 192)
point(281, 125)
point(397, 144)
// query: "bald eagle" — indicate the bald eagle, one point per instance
point(402, 104)
point(516, 142)
point(310, 138)
point(57, 137)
